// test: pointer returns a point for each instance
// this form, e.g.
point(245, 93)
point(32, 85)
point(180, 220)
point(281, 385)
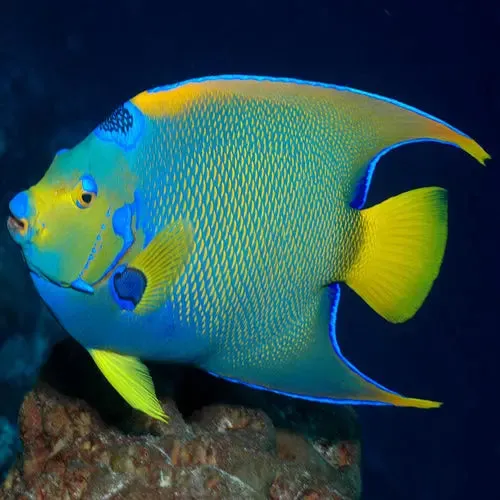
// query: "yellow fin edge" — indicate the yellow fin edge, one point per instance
point(402, 401)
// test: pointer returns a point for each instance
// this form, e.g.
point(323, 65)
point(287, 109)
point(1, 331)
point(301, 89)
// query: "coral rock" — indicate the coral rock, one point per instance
point(223, 452)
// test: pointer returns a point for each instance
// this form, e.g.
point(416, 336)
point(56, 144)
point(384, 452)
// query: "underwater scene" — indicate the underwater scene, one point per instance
point(248, 250)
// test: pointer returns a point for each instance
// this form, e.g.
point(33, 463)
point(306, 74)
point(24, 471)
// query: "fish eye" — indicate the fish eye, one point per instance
point(85, 192)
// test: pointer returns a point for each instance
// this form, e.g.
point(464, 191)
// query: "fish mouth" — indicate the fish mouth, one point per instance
point(17, 226)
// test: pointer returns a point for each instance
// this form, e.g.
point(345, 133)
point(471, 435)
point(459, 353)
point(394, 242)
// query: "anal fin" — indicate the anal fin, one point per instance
point(364, 387)
point(320, 373)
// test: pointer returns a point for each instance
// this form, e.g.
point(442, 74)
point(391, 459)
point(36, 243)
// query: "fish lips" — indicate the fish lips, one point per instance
point(18, 229)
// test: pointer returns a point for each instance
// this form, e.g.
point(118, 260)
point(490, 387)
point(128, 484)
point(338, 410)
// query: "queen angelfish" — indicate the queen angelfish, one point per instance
point(214, 222)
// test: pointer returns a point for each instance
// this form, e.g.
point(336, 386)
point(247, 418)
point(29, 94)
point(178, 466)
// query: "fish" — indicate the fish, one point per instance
point(213, 222)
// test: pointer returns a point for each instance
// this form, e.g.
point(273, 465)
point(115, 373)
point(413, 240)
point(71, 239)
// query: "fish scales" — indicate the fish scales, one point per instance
point(271, 222)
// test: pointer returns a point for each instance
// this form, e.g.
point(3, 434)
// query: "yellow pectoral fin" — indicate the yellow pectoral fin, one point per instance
point(132, 381)
point(162, 263)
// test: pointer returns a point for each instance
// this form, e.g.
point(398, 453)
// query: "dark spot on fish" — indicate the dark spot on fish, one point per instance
point(130, 285)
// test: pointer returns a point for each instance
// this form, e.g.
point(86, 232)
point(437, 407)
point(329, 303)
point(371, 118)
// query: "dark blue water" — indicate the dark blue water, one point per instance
point(64, 67)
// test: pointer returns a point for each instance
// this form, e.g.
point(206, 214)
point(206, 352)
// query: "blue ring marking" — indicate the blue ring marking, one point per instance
point(131, 285)
point(128, 140)
point(296, 81)
point(126, 305)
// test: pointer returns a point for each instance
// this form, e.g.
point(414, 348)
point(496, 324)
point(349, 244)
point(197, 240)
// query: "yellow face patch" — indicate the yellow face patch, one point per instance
point(77, 223)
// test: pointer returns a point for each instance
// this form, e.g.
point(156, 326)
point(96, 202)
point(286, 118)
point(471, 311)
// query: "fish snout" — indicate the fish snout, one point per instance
point(18, 222)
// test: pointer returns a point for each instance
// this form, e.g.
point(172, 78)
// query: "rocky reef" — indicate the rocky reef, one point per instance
point(221, 451)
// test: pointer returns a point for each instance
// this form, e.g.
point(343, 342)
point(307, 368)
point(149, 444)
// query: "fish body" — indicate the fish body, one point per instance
point(222, 215)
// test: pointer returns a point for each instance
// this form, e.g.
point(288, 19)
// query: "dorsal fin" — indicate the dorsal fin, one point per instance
point(361, 126)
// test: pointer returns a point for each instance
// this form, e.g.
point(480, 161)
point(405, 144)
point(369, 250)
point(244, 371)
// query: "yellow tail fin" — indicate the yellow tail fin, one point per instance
point(404, 240)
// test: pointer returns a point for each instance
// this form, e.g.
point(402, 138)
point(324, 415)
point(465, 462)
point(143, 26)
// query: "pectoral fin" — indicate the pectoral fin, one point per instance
point(147, 281)
point(132, 381)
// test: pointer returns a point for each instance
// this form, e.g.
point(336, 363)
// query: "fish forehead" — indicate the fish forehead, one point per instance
point(265, 202)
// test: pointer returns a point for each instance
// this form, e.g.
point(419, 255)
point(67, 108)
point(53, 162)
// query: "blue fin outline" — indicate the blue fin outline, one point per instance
point(363, 187)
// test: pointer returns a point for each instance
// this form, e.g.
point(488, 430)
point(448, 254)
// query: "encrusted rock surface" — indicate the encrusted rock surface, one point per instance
point(224, 452)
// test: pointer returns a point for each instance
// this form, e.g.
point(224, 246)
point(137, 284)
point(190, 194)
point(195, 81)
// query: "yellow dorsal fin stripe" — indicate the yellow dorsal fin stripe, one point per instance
point(132, 380)
point(402, 248)
point(162, 263)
